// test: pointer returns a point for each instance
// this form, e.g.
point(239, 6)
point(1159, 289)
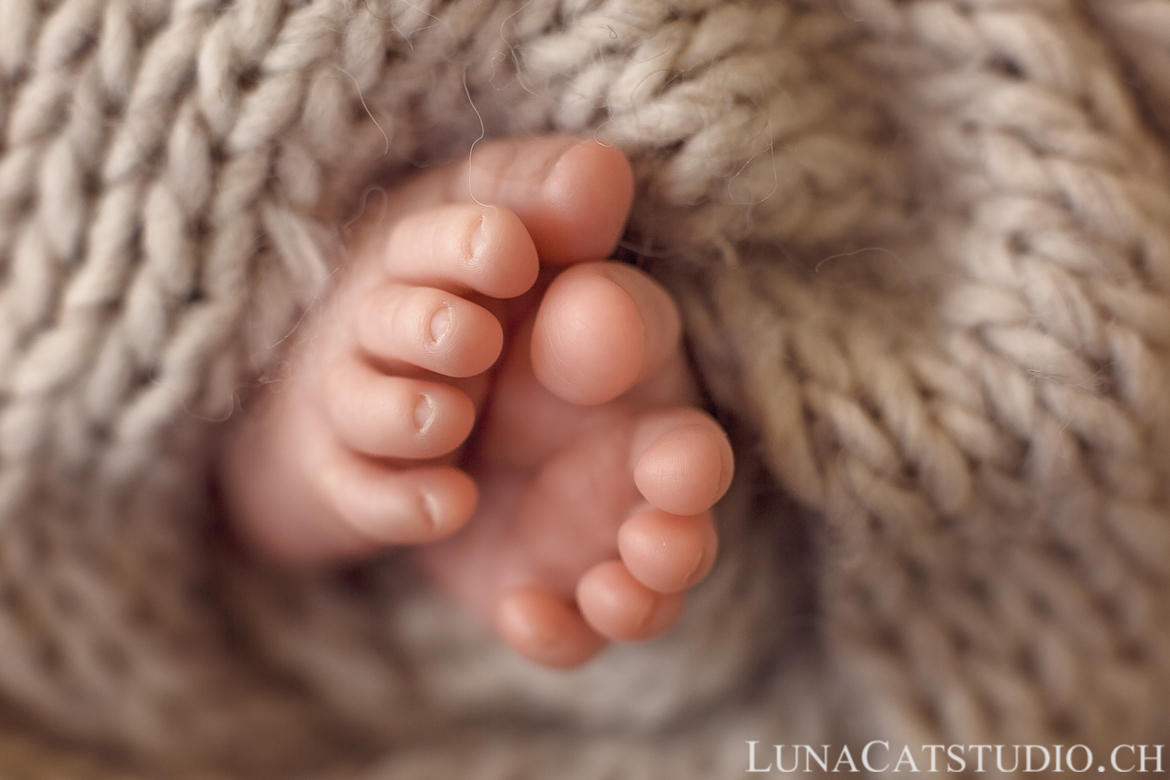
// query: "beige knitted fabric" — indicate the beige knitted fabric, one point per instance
point(923, 251)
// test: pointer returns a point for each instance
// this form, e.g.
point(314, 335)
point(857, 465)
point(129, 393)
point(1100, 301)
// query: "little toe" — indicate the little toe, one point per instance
point(377, 507)
point(668, 553)
point(620, 607)
point(395, 417)
point(545, 629)
point(602, 328)
point(682, 461)
point(428, 328)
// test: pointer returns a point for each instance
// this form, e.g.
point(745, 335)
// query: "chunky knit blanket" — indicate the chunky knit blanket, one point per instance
point(923, 252)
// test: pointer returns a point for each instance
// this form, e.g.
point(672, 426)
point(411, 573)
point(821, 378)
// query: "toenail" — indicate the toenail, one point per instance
point(440, 323)
point(430, 509)
point(694, 568)
point(551, 169)
point(424, 412)
point(477, 240)
point(647, 613)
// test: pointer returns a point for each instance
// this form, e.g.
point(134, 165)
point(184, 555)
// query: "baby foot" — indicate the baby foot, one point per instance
point(589, 479)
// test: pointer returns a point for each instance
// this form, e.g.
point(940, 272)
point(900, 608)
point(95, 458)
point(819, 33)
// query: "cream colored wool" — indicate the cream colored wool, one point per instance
point(923, 250)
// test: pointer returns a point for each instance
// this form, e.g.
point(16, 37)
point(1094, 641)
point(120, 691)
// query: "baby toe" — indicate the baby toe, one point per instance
point(545, 629)
point(428, 328)
point(682, 461)
point(395, 417)
point(619, 607)
point(378, 507)
point(668, 553)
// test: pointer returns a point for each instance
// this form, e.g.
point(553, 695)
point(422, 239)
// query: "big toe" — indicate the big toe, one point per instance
point(573, 196)
point(601, 329)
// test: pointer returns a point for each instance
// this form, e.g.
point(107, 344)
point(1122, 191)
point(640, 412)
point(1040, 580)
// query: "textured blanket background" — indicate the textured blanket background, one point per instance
point(923, 250)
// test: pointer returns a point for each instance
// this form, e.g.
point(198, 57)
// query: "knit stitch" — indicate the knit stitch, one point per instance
point(922, 248)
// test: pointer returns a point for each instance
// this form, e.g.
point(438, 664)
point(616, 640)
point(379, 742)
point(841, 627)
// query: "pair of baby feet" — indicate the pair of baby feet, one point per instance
point(479, 384)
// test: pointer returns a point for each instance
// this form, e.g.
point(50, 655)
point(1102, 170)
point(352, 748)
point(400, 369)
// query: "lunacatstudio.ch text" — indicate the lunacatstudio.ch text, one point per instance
point(879, 756)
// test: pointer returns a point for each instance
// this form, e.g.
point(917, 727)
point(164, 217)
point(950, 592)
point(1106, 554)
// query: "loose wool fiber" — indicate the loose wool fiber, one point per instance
point(922, 248)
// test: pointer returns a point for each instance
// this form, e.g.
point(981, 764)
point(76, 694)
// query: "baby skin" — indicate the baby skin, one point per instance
point(481, 386)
